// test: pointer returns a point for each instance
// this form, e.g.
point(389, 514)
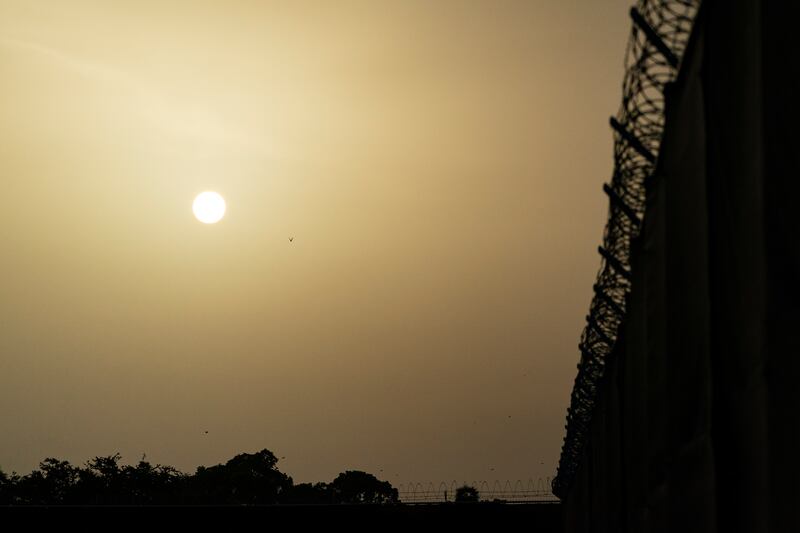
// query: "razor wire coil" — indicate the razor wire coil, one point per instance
point(659, 35)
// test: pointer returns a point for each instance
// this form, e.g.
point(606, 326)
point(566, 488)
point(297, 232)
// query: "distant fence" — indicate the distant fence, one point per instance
point(518, 491)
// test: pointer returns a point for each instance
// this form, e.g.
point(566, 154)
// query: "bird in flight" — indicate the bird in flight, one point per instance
point(291, 239)
point(206, 432)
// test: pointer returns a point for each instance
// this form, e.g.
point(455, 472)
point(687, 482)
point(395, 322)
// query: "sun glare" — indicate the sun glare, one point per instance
point(209, 207)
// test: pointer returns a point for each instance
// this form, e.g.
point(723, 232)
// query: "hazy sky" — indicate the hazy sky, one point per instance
point(438, 164)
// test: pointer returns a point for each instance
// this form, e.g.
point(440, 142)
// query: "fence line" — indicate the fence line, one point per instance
point(519, 491)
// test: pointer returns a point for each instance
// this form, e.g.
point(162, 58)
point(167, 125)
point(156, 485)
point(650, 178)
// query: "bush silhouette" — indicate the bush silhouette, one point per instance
point(467, 494)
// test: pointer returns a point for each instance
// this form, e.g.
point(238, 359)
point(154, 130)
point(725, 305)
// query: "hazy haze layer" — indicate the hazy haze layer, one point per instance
point(438, 164)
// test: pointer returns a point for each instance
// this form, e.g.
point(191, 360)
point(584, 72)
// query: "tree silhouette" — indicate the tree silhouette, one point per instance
point(354, 486)
point(307, 493)
point(6, 488)
point(245, 479)
point(51, 484)
point(102, 481)
point(58, 480)
point(153, 485)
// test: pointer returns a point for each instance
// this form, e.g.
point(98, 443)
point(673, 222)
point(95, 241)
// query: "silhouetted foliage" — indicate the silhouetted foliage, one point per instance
point(247, 479)
point(307, 493)
point(354, 486)
point(6, 488)
point(467, 494)
point(153, 485)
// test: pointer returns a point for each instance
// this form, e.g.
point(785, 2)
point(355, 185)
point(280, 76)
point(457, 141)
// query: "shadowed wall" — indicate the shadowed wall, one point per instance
point(696, 423)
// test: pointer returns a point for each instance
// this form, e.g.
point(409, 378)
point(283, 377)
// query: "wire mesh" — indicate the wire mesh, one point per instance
point(519, 491)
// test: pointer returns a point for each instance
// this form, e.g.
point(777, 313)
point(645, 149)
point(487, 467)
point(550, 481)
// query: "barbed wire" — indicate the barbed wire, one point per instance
point(659, 35)
point(519, 491)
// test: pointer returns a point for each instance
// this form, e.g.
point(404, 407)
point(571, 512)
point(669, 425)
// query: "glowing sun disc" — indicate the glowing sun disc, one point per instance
point(208, 207)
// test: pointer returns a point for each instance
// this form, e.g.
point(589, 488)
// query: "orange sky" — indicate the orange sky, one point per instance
point(438, 164)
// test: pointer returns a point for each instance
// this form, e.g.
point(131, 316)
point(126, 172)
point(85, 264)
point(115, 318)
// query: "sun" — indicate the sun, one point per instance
point(209, 207)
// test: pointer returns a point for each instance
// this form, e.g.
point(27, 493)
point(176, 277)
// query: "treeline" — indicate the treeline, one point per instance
point(247, 479)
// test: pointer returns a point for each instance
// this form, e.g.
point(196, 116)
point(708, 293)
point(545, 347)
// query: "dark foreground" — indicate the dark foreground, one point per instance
point(535, 517)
